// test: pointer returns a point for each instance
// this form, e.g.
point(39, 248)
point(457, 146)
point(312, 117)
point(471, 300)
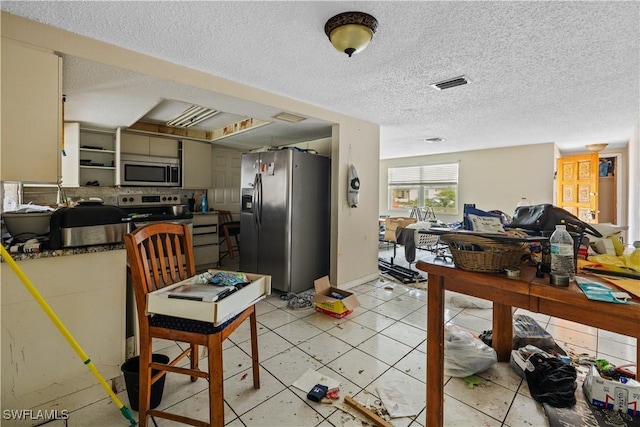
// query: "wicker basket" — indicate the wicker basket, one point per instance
point(475, 253)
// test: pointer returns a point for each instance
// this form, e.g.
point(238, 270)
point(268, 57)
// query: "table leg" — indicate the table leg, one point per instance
point(502, 332)
point(435, 351)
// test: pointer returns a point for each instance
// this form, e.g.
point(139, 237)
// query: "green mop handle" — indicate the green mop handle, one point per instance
point(65, 332)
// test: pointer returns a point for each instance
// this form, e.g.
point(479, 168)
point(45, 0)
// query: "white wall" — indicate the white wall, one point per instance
point(633, 167)
point(355, 229)
point(363, 137)
point(492, 179)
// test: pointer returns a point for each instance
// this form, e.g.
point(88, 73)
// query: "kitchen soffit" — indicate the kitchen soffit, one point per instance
point(104, 96)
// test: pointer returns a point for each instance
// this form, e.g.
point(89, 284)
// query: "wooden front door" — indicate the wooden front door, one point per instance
point(578, 186)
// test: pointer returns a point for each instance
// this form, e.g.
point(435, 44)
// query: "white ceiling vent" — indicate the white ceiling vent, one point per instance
point(288, 117)
point(449, 83)
point(434, 140)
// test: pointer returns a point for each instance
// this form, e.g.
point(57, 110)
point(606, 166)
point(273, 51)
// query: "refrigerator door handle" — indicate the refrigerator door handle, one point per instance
point(259, 204)
point(254, 201)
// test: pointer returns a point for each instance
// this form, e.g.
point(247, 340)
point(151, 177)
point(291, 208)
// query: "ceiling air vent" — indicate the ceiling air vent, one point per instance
point(433, 140)
point(288, 117)
point(448, 84)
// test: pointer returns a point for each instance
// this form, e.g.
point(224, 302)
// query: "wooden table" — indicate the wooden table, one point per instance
point(528, 292)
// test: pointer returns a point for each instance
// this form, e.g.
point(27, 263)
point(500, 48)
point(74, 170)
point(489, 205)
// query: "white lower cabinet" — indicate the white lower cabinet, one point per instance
point(205, 241)
point(87, 293)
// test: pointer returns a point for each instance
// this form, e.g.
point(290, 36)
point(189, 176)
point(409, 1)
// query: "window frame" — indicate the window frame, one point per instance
point(415, 179)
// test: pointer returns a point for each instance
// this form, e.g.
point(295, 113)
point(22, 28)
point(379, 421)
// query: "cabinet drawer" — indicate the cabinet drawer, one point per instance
point(205, 239)
point(205, 219)
point(206, 254)
point(205, 229)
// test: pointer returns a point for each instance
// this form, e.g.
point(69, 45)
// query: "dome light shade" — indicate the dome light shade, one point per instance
point(351, 32)
point(596, 147)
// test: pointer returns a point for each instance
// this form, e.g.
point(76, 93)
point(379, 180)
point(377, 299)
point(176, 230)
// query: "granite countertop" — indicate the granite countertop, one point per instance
point(49, 253)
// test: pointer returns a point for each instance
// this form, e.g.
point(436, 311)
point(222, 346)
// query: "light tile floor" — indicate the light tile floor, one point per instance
point(381, 342)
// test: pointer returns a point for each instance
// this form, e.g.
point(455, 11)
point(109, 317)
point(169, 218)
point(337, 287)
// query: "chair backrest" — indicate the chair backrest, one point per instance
point(224, 216)
point(159, 254)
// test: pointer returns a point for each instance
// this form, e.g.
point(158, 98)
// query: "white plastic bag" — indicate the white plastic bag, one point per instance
point(465, 354)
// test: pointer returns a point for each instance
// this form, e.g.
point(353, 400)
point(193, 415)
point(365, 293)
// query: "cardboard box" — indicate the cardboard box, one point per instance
point(326, 302)
point(612, 394)
point(332, 314)
point(216, 312)
point(391, 224)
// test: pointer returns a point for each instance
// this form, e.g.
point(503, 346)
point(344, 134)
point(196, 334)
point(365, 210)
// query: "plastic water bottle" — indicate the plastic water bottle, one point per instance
point(523, 202)
point(562, 261)
point(205, 208)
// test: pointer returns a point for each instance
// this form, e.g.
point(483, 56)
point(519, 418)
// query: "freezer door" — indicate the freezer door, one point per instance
point(274, 241)
point(249, 245)
point(248, 230)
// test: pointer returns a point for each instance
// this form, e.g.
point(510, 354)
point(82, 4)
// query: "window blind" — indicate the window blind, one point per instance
point(427, 174)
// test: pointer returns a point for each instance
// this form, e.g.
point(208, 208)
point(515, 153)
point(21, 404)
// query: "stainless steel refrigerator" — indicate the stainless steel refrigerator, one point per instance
point(285, 217)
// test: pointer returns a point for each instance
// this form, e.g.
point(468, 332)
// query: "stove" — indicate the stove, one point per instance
point(146, 208)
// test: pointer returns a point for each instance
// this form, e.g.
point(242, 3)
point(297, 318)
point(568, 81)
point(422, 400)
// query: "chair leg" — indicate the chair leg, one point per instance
point(144, 385)
point(195, 356)
point(254, 349)
point(216, 387)
point(227, 238)
point(237, 244)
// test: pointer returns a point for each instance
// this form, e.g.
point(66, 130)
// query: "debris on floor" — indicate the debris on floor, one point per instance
point(311, 378)
point(473, 380)
point(467, 301)
point(395, 401)
point(298, 301)
point(378, 414)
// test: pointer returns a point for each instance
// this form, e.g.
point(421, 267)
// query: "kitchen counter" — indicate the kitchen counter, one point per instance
point(50, 253)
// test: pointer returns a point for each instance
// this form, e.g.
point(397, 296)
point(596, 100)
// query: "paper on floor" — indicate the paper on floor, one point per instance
point(394, 401)
point(311, 378)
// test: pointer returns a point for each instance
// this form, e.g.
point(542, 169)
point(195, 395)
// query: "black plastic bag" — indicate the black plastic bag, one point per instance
point(551, 380)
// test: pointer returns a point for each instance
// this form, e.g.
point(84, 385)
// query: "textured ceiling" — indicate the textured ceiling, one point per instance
point(563, 72)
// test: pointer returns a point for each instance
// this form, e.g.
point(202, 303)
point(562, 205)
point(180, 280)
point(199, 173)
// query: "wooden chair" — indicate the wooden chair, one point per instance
point(228, 229)
point(159, 255)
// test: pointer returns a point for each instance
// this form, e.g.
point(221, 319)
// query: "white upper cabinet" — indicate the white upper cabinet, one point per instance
point(146, 145)
point(196, 164)
point(31, 114)
point(91, 157)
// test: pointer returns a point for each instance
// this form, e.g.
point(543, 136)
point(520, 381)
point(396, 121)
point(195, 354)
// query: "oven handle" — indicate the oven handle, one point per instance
point(139, 224)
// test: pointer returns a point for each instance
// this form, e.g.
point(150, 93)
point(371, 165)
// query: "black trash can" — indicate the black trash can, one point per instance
point(131, 371)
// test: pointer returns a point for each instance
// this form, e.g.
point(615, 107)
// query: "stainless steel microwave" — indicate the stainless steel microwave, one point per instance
point(149, 171)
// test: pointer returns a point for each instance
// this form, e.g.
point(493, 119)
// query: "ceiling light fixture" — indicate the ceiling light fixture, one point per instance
point(192, 116)
point(596, 147)
point(351, 32)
